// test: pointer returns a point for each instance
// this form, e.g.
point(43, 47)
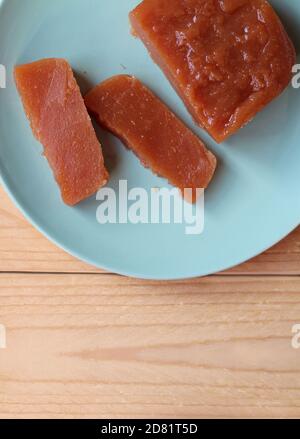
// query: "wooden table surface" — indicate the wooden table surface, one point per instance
point(84, 343)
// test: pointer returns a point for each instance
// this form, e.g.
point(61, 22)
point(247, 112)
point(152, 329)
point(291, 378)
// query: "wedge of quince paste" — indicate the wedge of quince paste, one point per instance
point(127, 108)
point(60, 121)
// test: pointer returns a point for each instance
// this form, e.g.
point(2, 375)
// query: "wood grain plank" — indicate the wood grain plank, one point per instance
point(106, 346)
point(24, 249)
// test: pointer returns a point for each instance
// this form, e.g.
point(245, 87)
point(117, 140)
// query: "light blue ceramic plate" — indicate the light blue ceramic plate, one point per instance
point(252, 203)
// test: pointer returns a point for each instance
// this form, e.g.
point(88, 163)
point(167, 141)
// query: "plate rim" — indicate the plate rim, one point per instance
point(114, 270)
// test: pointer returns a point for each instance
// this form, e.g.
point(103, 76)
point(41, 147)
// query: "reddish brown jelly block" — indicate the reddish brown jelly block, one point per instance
point(60, 121)
point(128, 109)
point(227, 59)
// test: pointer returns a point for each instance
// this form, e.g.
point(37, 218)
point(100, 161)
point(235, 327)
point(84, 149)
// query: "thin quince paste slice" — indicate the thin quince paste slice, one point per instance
point(124, 106)
point(60, 121)
point(227, 59)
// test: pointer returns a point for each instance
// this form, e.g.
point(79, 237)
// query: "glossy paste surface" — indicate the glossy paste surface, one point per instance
point(226, 58)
